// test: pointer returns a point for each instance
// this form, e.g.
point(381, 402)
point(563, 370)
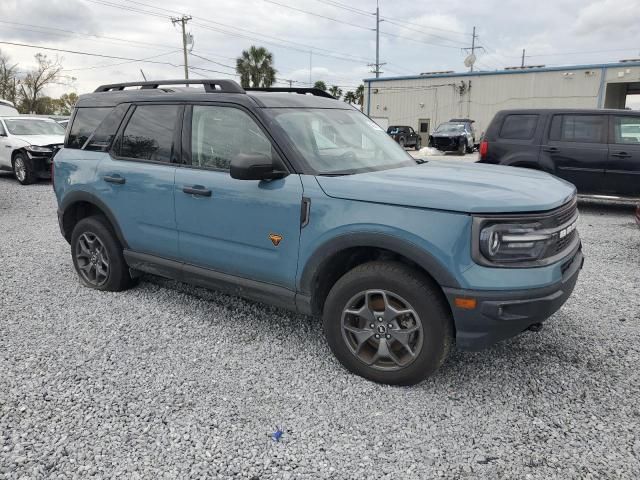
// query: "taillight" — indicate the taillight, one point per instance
point(484, 148)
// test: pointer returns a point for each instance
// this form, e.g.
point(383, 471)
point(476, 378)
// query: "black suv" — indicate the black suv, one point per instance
point(596, 150)
point(405, 136)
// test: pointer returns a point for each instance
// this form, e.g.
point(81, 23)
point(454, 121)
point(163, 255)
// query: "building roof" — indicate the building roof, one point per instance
point(594, 66)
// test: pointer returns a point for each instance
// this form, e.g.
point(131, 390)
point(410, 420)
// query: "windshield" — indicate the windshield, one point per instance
point(33, 126)
point(393, 130)
point(450, 128)
point(339, 142)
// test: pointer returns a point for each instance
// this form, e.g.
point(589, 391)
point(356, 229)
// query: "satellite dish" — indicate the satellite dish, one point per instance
point(470, 60)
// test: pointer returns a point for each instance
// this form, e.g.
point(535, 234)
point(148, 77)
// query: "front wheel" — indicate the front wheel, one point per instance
point(418, 144)
point(388, 323)
point(462, 147)
point(402, 142)
point(23, 170)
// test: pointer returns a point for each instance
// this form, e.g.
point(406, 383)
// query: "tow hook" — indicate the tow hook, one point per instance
point(536, 327)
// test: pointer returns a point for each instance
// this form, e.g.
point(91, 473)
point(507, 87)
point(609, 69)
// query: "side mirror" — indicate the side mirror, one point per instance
point(254, 166)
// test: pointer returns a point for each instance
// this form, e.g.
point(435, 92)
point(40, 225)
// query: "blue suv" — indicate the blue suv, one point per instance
point(290, 197)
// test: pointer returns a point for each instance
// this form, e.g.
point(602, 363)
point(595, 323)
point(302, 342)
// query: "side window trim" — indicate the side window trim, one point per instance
point(117, 139)
point(187, 133)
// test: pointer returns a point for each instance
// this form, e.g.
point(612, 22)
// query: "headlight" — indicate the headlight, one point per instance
point(37, 149)
point(506, 243)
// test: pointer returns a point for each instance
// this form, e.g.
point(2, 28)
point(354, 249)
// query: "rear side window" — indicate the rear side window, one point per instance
point(519, 127)
point(578, 128)
point(149, 133)
point(101, 138)
point(84, 124)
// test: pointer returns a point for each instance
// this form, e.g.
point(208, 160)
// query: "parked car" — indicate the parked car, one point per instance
point(468, 124)
point(453, 137)
point(63, 123)
point(27, 146)
point(596, 150)
point(303, 202)
point(7, 108)
point(405, 136)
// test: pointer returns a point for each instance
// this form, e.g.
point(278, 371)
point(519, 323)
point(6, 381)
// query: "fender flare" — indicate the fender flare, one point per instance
point(531, 159)
point(424, 259)
point(72, 198)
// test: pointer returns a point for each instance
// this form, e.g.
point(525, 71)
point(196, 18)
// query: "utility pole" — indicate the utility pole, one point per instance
point(183, 22)
point(310, 67)
point(522, 65)
point(290, 83)
point(473, 48)
point(376, 66)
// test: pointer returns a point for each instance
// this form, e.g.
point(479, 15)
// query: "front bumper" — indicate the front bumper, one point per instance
point(41, 164)
point(445, 144)
point(499, 315)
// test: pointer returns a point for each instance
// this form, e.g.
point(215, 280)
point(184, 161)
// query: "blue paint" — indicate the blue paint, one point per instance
point(509, 72)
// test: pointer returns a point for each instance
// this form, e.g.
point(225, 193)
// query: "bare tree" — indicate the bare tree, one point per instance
point(31, 87)
point(8, 78)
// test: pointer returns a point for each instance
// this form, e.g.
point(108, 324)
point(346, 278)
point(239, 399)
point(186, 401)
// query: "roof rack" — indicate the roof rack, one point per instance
point(222, 86)
point(301, 90)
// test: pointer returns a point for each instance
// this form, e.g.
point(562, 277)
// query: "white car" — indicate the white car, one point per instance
point(27, 146)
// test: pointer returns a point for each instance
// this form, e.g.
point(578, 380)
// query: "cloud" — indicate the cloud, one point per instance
point(609, 17)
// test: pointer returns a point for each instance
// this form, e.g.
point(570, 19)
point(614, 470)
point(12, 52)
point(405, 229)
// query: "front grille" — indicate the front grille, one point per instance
point(562, 243)
point(565, 217)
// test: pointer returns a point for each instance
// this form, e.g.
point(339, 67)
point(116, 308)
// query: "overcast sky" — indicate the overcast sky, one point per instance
point(553, 33)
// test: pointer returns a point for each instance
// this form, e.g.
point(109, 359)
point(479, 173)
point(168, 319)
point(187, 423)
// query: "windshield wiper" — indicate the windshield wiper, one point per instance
point(335, 174)
point(420, 161)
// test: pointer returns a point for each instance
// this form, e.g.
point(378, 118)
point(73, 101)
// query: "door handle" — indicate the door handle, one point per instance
point(551, 149)
point(621, 154)
point(197, 190)
point(114, 179)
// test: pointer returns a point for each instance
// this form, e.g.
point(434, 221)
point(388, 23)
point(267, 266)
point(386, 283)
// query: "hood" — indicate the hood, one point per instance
point(40, 139)
point(453, 186)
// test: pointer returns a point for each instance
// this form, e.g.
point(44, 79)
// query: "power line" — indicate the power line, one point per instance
point(119, 63)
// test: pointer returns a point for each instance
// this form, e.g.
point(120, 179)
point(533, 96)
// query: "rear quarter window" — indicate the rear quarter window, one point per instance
point(85, 122)
point(519, 127)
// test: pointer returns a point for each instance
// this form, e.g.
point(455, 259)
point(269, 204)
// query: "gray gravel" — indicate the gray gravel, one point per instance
point(170, 381)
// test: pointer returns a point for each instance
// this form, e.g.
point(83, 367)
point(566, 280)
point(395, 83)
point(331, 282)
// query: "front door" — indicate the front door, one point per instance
point(423, 130)
point(136, 179)
point(577, 147)
point(622, 176)
point(245, 228)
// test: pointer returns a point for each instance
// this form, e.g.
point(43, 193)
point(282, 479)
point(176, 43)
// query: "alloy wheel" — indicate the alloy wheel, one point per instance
point(92, 259)
point(20, 169)
point(382, 329)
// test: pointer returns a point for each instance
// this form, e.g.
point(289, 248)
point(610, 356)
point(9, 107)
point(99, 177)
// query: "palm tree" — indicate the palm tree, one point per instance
point(360, 95)
point(336, 91)
point(350, 97)
point(255, 67)
point(320, 85)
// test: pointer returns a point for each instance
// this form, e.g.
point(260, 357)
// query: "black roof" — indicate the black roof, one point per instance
point(611, 111)
point(214, 90)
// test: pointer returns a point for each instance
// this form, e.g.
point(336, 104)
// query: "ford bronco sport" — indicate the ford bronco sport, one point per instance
point(290, 197)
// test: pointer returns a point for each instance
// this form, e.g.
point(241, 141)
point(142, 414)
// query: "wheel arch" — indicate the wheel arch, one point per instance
point(339, 255)
point(79, 205)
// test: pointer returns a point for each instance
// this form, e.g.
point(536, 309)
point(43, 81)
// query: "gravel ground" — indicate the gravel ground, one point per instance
point(171, 381)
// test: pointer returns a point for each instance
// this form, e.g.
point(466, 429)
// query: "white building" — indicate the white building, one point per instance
point(424, 101)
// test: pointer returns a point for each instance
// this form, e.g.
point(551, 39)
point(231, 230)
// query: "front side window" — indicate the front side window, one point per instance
point(626, 130)
point(578, 128)
point(149, 133)
point(218, 134)
point(339, 142)
point(33, 126)
point(518, 127)
point(85, 121)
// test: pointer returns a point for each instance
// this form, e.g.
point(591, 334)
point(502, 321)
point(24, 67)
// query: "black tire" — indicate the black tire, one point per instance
point(462, 146)
point(470, 149)
point(117, 277)
point(418, 144)
point(421, 294)
point(23, 170)
point(402, 142)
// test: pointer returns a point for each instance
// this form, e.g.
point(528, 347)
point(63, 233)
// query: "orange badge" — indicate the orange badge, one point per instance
point(275, 238)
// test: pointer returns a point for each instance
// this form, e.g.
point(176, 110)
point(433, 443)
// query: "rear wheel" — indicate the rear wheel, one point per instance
point(388, 323)
point(22, 169)
point(418, 143)
point(402, 142)
point(97, 255)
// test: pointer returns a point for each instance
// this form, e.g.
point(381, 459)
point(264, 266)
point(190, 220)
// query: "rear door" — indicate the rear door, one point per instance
point(622, 176)
point(245, 228)
point(136, 180)
point(577, 147)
